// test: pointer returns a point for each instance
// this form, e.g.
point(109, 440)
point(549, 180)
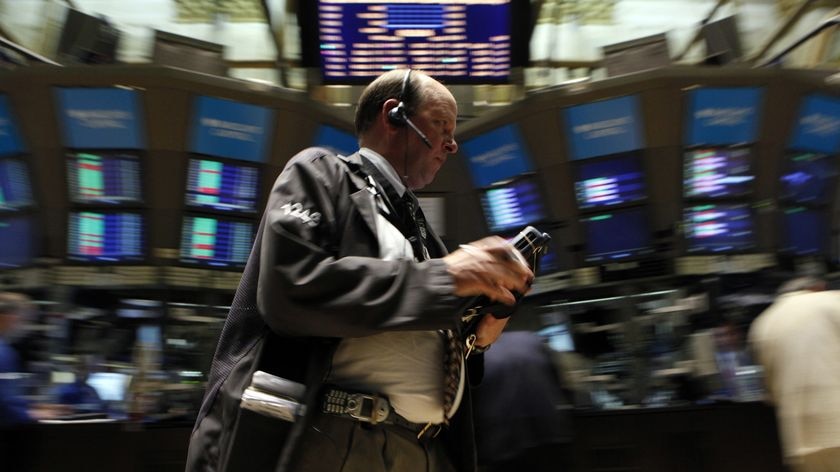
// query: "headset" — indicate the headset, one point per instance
point(399, 117)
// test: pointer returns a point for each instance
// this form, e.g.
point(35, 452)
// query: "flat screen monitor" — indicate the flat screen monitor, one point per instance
point(222, 186)
point(105, 237)
point(513, 205)
point(559, 337)
point(188, 53)
point(17, 248)
point(608, 182)
point(724, 228)
point(104, 178)
point(216, 242)
point(717, 173)
point(804, 232)
point(150, 335)
point(15, 189)
point(548, 263)
point(110, 386)
point(460, 41)
point(340, 141)
point(87, 39)
point(497, 156)
point(139, 308)
point(617, 236)
point(808, 178)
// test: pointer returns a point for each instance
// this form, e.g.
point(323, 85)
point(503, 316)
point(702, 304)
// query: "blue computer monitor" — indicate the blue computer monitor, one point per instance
point(104, 178)
point(611, 181)
point(17, 246)
point(719, 228)
point(340, 141)
point(559, 336)
point(222, 185)
point(808, 178)
point(804, 232)
point(15, 187)
point(616, 236)
point(110, 386)
point(717, 173)
point(215, 242)
point(106, 237)
point(513, 205)
point(497, 156)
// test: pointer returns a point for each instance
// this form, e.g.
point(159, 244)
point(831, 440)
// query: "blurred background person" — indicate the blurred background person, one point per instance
point(730, 354)
point(14, 409)
point(797, 341)
point(522, 414)
point(79, 396)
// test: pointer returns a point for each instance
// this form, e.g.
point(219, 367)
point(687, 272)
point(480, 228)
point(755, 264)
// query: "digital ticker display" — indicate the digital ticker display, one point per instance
point(105, 237)
point(222, 186)
point(617, 236)
point(610, 182)
point(17, 246)
point(15, 188)
point(216, 242)
point(809, 178)
point(513, 205)
point(104, 178)
point(804, 231)
point(464, 40)
point(717, 173)
point(719, 228)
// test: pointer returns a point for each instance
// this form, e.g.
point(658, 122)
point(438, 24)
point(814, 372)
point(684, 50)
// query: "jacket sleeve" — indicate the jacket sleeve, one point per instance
point(307, 288)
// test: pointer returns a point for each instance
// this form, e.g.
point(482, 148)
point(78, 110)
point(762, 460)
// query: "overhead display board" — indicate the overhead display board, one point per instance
point(100, 118)
point(456, 41)
point(727, 115)
point(225, 128)
point(10, 142)
point(497, 155)
point(604, 127)
point(817, 127)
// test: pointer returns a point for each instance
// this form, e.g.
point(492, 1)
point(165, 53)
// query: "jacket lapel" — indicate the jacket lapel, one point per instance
point(363, 199)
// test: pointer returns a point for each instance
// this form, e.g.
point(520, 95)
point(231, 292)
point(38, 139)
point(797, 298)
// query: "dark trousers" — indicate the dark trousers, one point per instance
point(332, 444)
point(552, 457)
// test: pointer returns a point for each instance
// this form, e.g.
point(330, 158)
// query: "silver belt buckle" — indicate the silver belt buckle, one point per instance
point(378, 407)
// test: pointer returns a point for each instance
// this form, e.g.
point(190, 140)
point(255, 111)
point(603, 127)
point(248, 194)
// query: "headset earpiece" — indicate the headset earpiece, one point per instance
point(397, 116)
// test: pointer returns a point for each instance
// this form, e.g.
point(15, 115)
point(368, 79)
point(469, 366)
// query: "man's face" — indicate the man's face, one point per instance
point(8, 322)
point(436, 118)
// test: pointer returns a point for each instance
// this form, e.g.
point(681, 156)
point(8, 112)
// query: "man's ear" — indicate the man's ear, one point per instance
point(392, 114)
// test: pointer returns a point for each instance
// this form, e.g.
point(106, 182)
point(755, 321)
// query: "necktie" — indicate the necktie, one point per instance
point(453, 356)
point(453, 353)
point(415, 223)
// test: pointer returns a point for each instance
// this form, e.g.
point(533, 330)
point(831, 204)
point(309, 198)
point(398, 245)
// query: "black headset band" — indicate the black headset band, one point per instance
point(404, 89)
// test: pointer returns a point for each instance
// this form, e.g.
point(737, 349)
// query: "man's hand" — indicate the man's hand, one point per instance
point(488, 330)
point(490, 267)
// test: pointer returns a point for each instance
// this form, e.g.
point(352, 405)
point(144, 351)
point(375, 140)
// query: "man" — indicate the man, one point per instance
point(78, 396)
point(14, 409)
point(347, 290)
point(797, 341)
point(536, 434)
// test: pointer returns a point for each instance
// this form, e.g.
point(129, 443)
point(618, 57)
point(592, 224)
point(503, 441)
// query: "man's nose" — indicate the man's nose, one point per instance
point(450, 146)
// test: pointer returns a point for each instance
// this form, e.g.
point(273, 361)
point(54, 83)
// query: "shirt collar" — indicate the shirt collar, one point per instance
point(385, 168)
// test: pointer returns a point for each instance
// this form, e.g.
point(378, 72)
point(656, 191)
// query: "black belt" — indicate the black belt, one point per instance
point(373, 409)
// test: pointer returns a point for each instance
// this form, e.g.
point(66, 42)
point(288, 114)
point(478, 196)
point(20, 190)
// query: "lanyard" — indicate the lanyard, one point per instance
point(405, 213)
